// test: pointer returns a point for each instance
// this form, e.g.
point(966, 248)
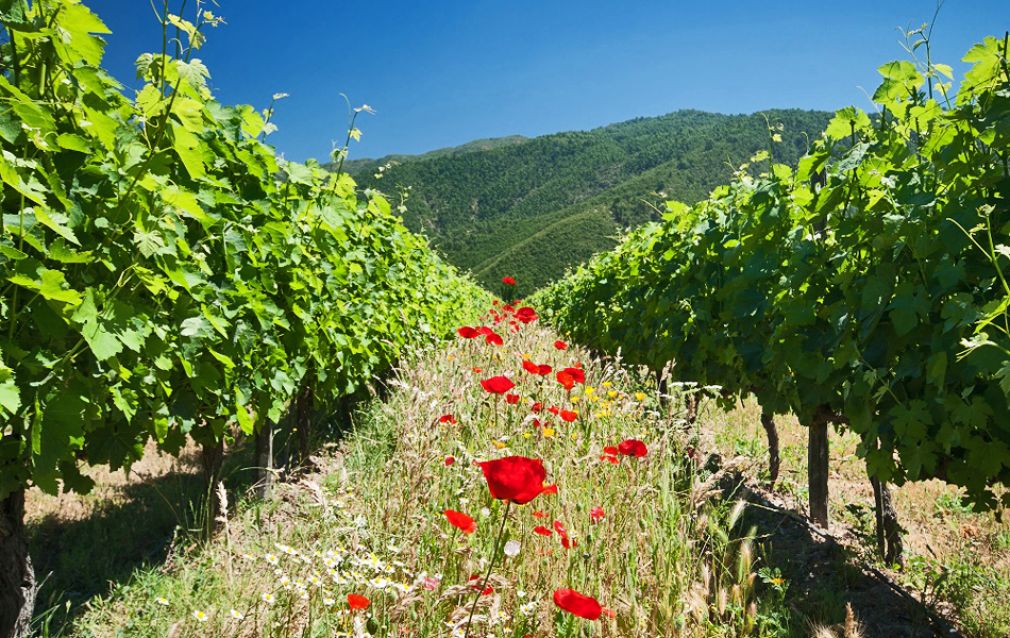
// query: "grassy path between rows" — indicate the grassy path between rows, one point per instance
point(659, 554)
point(663, 541)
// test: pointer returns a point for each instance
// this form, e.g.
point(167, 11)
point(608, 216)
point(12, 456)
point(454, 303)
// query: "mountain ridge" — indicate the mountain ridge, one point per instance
point(499, 206)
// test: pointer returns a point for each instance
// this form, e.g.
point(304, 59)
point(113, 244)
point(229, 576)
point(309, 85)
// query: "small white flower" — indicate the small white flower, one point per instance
point(199, 615)
point(485, 512)
point(329, 602)
point(268, 598)
point(161, 600)
point(512, 548)
point(271, 558)
point(237, 615)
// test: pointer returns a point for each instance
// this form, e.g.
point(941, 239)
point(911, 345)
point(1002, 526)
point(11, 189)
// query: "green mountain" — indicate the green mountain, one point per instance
point(531, 207)
point(363, 166)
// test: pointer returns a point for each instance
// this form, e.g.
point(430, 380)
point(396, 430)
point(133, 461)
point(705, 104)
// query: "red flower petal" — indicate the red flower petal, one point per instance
point(357, 601)
point(544, 369)
point(498, 385)
point(512, 399)
point(461, 521)
point(578, 604)
point(560, 345)
point(578, 374)
point(449, 460)
point(494, 339)
point(568, 416)
point(518, 479)
point(508, 281)
point(566, 380)
point(537, 407)
point(543, 531)
point(632, 447)
point(467, 332)
point(447, 418)
point(596, 514)
point(526, 314)
point(531, 367)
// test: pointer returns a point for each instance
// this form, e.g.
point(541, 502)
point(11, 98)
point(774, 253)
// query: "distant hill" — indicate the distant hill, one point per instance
point(531, 207)
point(360, 166)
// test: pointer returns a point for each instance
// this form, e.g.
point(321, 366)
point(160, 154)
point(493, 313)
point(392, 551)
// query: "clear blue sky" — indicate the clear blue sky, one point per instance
point(443, 72)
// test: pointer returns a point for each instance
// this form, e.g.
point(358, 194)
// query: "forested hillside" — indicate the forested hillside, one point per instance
point(533, 207)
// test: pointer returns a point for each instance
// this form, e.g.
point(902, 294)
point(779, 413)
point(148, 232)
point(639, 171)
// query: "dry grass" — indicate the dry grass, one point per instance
point(112, 488)
point(666, 559)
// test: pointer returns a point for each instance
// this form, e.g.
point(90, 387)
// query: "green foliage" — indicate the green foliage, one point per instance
point(866, 284)
point(532, 207)
point(164, 273)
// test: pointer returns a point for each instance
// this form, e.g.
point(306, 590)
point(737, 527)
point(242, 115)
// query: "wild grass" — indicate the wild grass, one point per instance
point(667, 559)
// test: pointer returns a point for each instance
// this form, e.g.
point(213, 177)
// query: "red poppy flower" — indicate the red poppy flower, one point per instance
point(550, 489)
point(578, 604)
point(467, 332)
point(518, 479)
point(554, 410)
point(559, 527)
point(461, 521)
point(531, 367)
point(494, 339)
point(596, 514)
point(543, 369)
point(512, 399)
point(508, 281)
point(610, 454)
point(484, 330)
point(449, 460)
point(577, 373)
point(447, 418)
point(498, 385)
point(509, 308)
point(568, 416)
point(537, 407)
point(526, 314)
point(566, 380)
point(568, 543)
point(476, 369)
point(632, 447)
point(543, 531)
point(560, 345)
point(357, 601)
point(474, 581)
point(539, 514)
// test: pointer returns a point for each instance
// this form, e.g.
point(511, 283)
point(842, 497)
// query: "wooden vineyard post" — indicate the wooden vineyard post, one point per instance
point(817, 468)
point(265, 459)
point(774, 456)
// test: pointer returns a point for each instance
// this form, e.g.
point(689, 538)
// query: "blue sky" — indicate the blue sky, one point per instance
point(443, 72)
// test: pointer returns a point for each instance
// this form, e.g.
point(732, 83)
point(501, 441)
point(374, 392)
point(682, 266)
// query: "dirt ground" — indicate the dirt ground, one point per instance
point(957, 561)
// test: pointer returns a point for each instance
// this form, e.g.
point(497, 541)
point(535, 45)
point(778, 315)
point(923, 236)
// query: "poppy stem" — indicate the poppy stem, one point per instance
point(487, 577)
